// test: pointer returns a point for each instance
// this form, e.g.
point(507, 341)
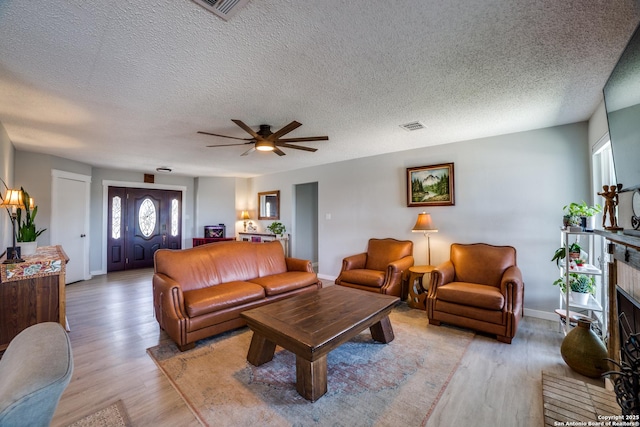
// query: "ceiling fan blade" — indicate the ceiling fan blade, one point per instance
point(308, 138)
point(230, 145)
point(279, 152)
point(249, 151)
point(247, 129)
point(297, 147)
point(224, 136)
point(285, 130)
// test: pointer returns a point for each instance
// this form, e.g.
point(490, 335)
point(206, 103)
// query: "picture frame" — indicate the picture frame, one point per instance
point(431, 185)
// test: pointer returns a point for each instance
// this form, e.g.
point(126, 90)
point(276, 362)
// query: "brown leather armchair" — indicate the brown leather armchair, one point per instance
point(381, 269)
point(479, 288)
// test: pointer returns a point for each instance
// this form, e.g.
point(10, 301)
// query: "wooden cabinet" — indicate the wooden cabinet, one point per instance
point(32, 292)
point(197, 241)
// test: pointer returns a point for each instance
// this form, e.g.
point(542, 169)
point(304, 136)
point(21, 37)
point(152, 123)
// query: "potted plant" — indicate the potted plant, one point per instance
point(581, 287)
point(561, 253)
point(27, 231)
point(277, 228)
point(576, 214)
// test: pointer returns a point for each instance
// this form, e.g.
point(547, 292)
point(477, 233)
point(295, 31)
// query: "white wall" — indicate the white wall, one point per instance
point(509, 190)
point(215, 204)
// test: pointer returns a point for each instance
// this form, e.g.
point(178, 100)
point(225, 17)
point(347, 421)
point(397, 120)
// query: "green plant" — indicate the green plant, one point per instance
point(581, 209)
point(27, 231)
point(561, 252)
point(277, 228)
point(578, 283)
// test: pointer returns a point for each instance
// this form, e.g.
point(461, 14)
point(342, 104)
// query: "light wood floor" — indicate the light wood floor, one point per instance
point(112, 324)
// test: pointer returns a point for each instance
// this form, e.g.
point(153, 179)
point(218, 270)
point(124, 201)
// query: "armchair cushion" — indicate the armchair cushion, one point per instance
point(364, 277)
point(472, 294)
point(382, 252)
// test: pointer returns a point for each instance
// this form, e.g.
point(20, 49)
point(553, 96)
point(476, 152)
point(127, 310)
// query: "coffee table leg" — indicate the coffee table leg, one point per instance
point(311, 378)
point(382, 331)
point(261, 350)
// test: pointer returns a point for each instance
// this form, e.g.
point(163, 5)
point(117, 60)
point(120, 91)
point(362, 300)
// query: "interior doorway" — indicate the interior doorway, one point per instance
point(305, 238)
point(70, 196)
point(139, 222)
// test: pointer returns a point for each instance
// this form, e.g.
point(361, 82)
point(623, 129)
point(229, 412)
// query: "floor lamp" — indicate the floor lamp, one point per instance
point(13, 200)
point(424, 225)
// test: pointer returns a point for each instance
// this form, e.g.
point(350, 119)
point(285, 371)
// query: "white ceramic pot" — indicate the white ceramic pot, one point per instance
point(28, 248)
point(580, 298)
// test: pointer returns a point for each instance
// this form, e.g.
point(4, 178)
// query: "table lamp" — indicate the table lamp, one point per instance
point(13, 200)
point(245, 216)
point(424, 225)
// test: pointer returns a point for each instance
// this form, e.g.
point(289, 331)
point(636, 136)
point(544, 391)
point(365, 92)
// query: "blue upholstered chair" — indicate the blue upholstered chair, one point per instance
point(34, 371)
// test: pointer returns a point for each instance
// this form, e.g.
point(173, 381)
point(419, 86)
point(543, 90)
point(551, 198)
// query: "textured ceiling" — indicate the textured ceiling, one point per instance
point(127, 84)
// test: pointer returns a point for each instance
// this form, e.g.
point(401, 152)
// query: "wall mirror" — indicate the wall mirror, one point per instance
point(269, 205)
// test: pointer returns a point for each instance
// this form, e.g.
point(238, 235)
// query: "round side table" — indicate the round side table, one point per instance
point(417, 293)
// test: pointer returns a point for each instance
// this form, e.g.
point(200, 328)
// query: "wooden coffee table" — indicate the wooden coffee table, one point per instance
point(312, 324)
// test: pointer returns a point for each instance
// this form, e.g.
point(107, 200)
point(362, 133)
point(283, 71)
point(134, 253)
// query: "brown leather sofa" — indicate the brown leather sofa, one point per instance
point(479, 288)
point(381, 269)
point(200, 292)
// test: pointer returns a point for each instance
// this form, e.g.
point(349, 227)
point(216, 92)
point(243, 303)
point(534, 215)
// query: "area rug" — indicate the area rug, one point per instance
point(114, 415)
point(369, 384)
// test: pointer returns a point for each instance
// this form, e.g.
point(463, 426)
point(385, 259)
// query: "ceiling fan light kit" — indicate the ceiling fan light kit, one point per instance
point(265, 140)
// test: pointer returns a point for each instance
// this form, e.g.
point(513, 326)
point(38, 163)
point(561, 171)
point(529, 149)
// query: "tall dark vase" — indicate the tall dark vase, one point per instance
point(583, 222)
point(583, 351)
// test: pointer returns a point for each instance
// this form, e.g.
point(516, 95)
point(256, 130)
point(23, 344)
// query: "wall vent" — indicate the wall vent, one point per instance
point(225, 9)
point(413, 126)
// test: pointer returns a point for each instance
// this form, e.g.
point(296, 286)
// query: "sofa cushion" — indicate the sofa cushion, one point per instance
point(270, 257)
point(373, 278)
point(472, 294)
point(285, 282)
point(202, 301)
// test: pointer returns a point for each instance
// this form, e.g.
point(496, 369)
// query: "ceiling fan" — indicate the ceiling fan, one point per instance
point(265, 140)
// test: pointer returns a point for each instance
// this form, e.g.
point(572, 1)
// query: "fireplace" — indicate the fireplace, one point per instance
point(623, 344)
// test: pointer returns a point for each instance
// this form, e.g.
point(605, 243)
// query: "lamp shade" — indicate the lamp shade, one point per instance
point(244, 215)
point(13, 198)
point(424, 224)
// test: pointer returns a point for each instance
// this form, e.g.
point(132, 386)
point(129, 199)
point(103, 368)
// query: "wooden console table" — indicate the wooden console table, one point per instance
point(32, 292)
point(197, 241)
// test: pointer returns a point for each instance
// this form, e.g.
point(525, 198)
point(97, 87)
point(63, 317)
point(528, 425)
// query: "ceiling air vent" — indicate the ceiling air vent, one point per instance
point(413, 126)
point(225, 9)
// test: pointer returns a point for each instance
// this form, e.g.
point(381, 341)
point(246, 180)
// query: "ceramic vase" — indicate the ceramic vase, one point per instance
point(584, 352)
point(28, 248)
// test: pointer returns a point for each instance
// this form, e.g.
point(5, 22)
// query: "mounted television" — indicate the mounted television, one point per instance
point(622, 102)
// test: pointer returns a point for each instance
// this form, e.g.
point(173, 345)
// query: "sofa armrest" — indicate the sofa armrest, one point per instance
point(400, 266)
point(512, 288)
point(354, 262)
point(168, 299)
point(297, 264)
point(441, 275)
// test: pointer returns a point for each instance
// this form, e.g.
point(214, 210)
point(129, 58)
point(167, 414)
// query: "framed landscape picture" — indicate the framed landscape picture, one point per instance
point(430, 185)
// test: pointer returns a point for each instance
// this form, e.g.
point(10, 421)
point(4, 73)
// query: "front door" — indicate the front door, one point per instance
point(140, 222)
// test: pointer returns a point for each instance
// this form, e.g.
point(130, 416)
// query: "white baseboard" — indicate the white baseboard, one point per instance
point(98, 272)
point(546, 315)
